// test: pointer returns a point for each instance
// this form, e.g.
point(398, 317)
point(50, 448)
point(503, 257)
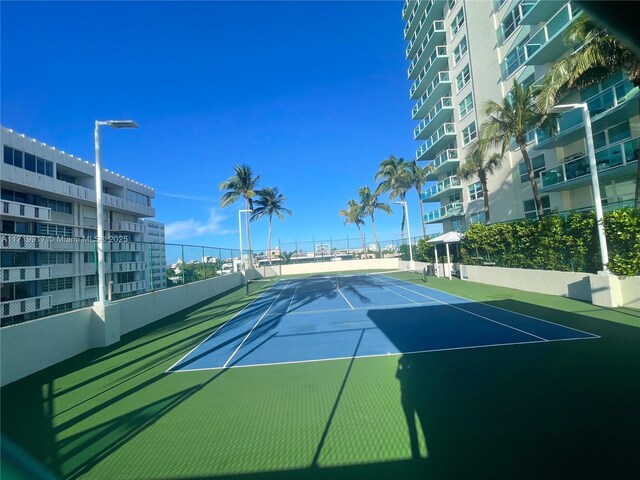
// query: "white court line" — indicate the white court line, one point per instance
point(471, 313)
point(410, 299)
point(372, 307)
point(217, 329)
point(345, 298)
point(253, 328)
point(292, 297)
point(375, 355)
point(494, 306)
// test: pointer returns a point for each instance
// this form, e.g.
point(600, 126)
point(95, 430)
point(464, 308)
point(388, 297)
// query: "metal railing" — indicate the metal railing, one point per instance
point(550, 29)
point(443, 103)
point(442, 78)
point(441, 187)
point(445, 129)
point(436, 27)
point(455, 209)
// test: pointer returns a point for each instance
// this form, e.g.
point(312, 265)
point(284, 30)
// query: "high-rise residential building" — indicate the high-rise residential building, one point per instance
point(463, 53)
point(47, 236)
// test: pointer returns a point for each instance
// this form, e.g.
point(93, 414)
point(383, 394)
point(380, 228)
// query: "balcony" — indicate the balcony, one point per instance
point(609, 107)
point(445, 161)
point(433, 11)
point(437, 61)
point(548, 44)
point(25, 305)
point(439, 87)
point(125, 247)
point(126, 267)
point(134, 227)
point(129, 287)
point(128, 206)
point(439, 189)
point(615, 161)
point(25, 274)
point(437, 140)
point(538, 11)
point(436, 34)
point(405, 8)
point(26, 211)
point(25, 242)
point(438, 114)
point(412, 21)
point(448, 211)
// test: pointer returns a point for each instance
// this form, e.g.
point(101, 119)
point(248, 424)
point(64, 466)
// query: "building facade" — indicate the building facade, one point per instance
point(48, 231)
point(463, 53)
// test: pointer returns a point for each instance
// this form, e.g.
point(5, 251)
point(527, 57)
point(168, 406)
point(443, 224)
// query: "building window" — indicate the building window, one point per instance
point(466, 106)
point(619, 132)
point(538, 165)
point(454, 198)
point(90, 281)
point(55, 284)
point(457, 23)
point(58, 258)
point(512, 20)
point(89, 257)
point(530, 207)
point(54, 230)
point(515, 58)
point(460, 50)
point(469, 134)
point(479, 217)
point(65, 178)
point(475, 191)
point(463, 78)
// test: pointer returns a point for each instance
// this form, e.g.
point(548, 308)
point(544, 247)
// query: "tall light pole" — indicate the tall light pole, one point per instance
point(240, 212)
point(406, 213)
point(595, 181)
point(99, 208)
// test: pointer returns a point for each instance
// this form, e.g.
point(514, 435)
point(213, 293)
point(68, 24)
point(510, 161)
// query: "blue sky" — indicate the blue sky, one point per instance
point(312, 95)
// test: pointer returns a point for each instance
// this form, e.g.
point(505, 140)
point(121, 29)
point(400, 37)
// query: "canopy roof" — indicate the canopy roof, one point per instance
point(449, 237)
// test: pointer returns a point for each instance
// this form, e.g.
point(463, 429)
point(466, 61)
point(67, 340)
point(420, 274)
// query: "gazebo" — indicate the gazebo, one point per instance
point(446, 238)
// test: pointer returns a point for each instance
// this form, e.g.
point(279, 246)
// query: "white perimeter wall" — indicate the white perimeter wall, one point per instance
point(342, 266)
point(28, 347)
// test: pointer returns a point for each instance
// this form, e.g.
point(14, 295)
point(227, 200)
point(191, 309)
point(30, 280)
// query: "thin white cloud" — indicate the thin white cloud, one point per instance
point(182, 229)
point(185, 196)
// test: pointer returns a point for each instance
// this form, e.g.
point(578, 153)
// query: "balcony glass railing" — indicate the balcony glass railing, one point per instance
point(598, 104)
point(443, 103)
point(550, 29)
point(442, 78)
point(421, 23)
point(447, 184)
point(452, 210)
point(445, 157)
point(446, 129)
point(611, 157)
point(411, 17)
point(437, 27)
point(439, 52)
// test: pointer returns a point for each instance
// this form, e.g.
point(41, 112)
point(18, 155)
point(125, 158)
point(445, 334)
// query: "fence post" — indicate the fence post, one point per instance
point(204, 265)
point(348, 243)
point(150, 268)
point(330, 247)
point(183, 264)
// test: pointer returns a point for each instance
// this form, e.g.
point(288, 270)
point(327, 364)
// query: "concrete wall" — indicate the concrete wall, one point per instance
point(564, 284)
point(343, 266)
point(630, 289)
point(28, 347)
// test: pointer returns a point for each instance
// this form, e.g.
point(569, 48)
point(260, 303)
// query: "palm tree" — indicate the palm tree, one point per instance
point(419, 178)
point(396, 180)
point(600, 56)
point(369, 203)
point(511, 120)
point(353, 214)
point(270, 202)
point(242, 184)
point(477, 164)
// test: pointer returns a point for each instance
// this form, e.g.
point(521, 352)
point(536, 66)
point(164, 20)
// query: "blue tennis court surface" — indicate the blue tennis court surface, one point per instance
point(323, 318)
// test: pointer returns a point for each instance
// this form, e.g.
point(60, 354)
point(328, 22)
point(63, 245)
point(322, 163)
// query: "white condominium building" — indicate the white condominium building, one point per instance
point(47, 237)
point(462, 53)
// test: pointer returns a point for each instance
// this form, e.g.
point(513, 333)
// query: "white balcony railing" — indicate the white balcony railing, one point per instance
point(24, 210)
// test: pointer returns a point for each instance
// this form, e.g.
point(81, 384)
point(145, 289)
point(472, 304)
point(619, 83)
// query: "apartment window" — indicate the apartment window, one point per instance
point(463, 78)
point(479, 217)
point(27, 161)
point(457, 23)
point(58, 258)
point(475, 191)
point(65, 178)
point(5, 207)
point(54, 230)
point(90, 281)
point(466, 106)
point(460, 50)
point(137, 198)
point(530, 207)
point(512, 20)
point(538, 165)
point(515, 58)
point(619, 132)
point(454, 198)
point(469, 134)
point(89, 257)
point(55, 284)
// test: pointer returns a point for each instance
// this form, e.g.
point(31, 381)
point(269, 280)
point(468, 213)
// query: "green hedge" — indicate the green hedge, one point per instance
point(565, 243)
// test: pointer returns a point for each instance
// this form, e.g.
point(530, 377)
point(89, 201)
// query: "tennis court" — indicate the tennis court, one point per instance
point(366, 315)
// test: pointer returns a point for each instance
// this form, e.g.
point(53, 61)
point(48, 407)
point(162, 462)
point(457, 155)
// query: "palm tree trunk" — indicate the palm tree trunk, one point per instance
point(269, 242)
point(246, 220)
point(364, 246)
point(375, 236)
point(424, 228)
point(532, 178)
point(485, 197)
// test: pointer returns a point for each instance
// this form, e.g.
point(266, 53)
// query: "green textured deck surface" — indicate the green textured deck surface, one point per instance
point(556, 410)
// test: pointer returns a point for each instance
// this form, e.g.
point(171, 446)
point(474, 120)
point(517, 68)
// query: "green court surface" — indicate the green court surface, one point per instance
point(546, 410)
